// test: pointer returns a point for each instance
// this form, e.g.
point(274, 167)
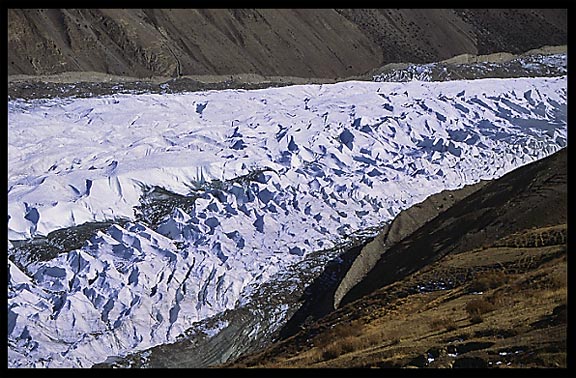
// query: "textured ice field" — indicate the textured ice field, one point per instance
point(264, 177)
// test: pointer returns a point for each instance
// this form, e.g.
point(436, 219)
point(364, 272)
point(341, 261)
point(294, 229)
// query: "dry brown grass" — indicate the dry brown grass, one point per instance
point(332, 351)
point(538, 237)
point(340, 347)
point(342, 341)
point(382, 336)
point(488, 280)
point(444, 323)
point(478, 307)
point(555, 279)
point(338, 332)
point(395, 331)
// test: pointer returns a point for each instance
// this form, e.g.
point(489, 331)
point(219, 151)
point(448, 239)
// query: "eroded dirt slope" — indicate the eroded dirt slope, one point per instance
point(146, 42)
point(322, 43)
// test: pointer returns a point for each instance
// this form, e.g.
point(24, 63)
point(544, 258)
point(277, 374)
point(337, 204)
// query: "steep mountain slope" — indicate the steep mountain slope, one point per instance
point(322, 43)
point(431, 35)
point(164, 42)
point(483, 284)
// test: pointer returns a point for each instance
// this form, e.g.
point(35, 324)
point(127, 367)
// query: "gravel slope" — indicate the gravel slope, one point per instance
point(325, 43)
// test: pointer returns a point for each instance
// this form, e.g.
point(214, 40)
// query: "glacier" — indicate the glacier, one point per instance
point(207, 195)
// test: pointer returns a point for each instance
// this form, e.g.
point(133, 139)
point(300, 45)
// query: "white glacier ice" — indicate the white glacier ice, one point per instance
point(258, 179)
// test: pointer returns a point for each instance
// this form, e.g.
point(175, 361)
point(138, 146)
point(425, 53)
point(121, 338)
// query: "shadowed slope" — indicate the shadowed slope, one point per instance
point(322, 43)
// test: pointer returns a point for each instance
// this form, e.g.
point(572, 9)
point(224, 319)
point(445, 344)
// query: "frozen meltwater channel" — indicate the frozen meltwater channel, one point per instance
point(258, 180)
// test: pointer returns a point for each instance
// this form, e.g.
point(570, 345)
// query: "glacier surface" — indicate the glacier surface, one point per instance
point(210, 194)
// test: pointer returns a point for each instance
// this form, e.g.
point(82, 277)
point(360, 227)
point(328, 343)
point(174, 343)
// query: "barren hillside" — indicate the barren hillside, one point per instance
point(323, 43)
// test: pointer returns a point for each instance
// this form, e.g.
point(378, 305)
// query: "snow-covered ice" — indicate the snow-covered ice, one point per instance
point(260, 179)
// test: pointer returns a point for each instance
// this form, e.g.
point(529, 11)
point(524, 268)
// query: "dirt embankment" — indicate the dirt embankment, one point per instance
point(405, 223)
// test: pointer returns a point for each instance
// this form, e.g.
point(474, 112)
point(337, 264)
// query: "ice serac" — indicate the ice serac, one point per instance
point(209, 195)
